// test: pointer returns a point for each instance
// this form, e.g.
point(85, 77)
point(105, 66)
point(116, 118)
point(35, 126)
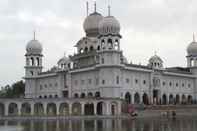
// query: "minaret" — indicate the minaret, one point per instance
point(33, 66)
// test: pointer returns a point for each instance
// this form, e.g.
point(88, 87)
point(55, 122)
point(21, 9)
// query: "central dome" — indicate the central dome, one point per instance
point(91, 24)
point(109, 25)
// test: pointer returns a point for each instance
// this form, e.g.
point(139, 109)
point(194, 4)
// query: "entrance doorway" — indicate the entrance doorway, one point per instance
point(156, 97)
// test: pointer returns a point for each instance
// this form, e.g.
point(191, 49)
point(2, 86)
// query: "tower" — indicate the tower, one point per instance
point(33, 58)
point(33, 66)
point(109, 40)
point(192, 54)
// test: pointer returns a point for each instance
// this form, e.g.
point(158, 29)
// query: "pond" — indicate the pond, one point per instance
point(146, 124)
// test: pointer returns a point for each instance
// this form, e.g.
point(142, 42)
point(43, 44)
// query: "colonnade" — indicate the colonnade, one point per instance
point(59, 107)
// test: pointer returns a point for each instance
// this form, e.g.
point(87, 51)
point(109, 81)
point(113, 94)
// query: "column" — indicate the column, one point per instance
point(6, 109)
point(19, 108)
point(95, 108)
point(119, 108)
point(82, 108)
point(45, 108)
point(70, 108)
point(58, 109)
point(32, 109)
point(108, 112)
point(132, 98)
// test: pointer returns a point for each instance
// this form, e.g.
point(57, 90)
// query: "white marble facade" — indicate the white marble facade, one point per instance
point(99, 69)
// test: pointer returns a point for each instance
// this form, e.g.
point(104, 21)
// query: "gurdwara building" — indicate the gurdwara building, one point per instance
point(99, 69)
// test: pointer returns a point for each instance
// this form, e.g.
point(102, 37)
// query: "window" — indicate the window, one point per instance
point(144, 82)
point(189, 85)
point(97, 81)
point(164, 83)
point(177, 84)
point(56, 84)
point(127, 80)
point(117, 79)
point(50, 85)
point(170, 84)
point(103, 82)
point(183, 85)
point(136, 81)
point(45, 85)
point(40, 87)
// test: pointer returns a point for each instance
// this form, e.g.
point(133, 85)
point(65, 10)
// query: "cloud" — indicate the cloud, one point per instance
point(165, 26)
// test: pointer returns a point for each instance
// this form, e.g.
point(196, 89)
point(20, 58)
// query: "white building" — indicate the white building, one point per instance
point(99, 69)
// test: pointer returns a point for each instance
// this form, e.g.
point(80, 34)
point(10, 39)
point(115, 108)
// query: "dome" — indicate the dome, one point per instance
point(155, 58)
point(64, 60)
point(34, 47)
point(192, 49)
point(91, 24)
point(109, 25)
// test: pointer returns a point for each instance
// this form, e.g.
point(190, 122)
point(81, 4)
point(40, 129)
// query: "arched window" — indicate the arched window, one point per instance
point(103, 44)
point(98, 48)
point(110, 43)
point(91, 48)
point(86, 49)
point(32, 61)
point(38, 61)
point(116, 44)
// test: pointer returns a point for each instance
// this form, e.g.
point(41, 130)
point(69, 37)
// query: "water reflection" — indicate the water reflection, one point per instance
point(181, 124)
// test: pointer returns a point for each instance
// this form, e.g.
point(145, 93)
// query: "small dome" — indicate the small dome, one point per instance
point(64, 63)
point(34, 47)
point(192, 49)
point(63, 60)
point(155, 58)
point(109, 25)
point(91, 24)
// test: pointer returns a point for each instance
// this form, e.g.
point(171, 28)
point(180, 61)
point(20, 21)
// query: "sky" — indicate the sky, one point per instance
point(147, 26)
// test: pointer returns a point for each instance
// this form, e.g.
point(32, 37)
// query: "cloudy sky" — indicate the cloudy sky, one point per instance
point(164, 26)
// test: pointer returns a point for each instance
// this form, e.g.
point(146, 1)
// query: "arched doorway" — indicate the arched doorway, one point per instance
point(83, 95)
point(51, 109)
point(89, 109)
point(76, 109)
point(2, 109)
point(189, 99)
point(38, 109)
point(184, 99)
point(171, 99)
point(13, 109)
point(114, 108)
point(164, 99)
point(97, 94)
point(64, 109)
point(177, 99)
point(101, 108)
point(128, 98)
point(137, 98)
point(145, 99)
point(26, 109)
point(90, 94)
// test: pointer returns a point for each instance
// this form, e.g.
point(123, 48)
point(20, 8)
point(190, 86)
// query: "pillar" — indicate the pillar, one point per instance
point(58, 109)
point(32, 109)
point(19, 108)
point(82, 108)
point(70, 108)
point(108, 112)
point(6, 109)
point(95, 108)
point(45, 108)
point(119, 108)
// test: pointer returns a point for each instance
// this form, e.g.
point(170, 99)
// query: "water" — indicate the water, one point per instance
point(159, 124)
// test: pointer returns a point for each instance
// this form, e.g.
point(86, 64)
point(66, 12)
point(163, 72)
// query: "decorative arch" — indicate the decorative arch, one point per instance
point(86, 49)
point(38, 109)
point(51, 109)
point(189, 99)
point(137, 98)
point(90, 94)
point(89, 109)
point(128, 98)
point(164, 99)
point(13, 109)
point(110, 43)
point(171, 99)
point(26, 109)
point(184, 100)
point(91, 48)
point(145, 99)
point(2, 109)
point(76, 95)
point(177, 99)
point(76, 109)
point(97, 94)
point(64, 109)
